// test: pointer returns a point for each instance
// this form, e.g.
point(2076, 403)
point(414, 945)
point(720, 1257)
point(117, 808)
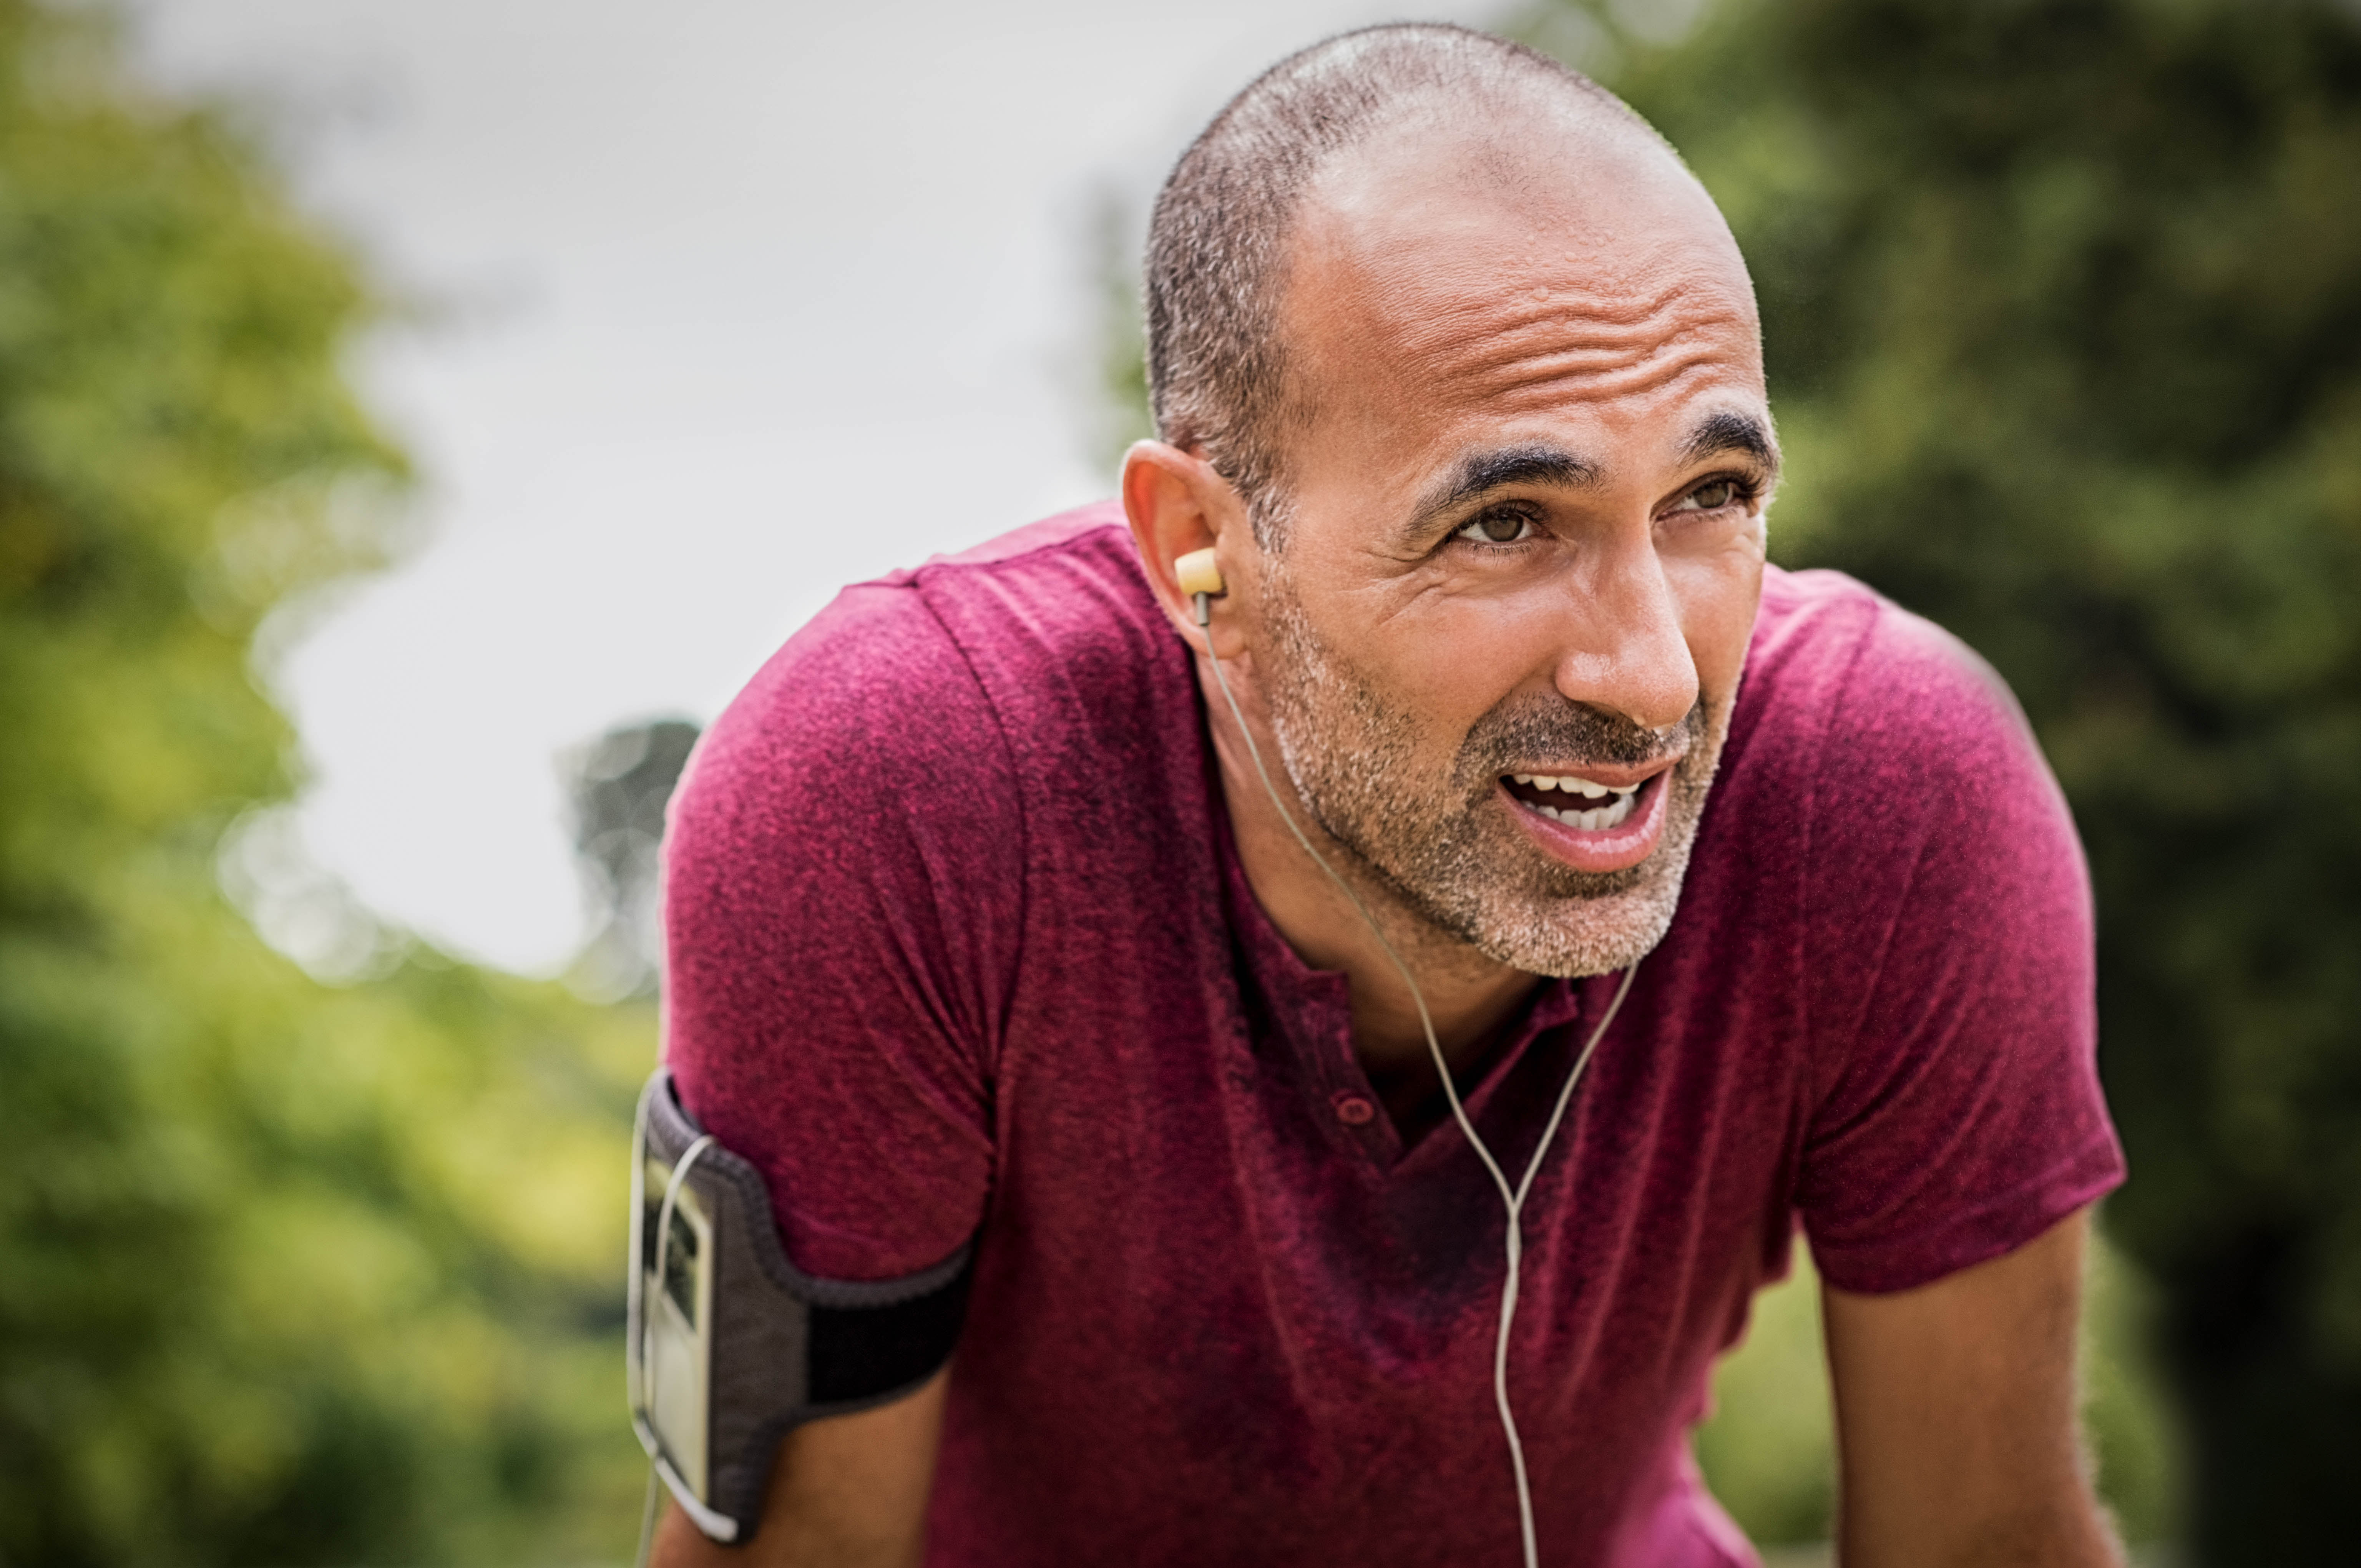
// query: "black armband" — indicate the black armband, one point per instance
point(730, 1345)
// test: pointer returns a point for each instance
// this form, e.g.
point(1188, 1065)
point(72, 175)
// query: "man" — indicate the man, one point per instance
point(984, 927)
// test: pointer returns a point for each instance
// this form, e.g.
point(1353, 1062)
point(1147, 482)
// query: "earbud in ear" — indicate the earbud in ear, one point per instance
point(1198, 574)
point(1200, 580)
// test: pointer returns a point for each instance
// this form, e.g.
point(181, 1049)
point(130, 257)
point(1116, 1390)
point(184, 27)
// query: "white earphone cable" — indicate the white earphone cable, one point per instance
point(1513, 1199)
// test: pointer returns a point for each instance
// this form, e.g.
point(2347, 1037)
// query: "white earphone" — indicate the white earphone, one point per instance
point(1200, 577)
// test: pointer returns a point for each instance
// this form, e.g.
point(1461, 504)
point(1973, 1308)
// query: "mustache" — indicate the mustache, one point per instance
point(1568, 731)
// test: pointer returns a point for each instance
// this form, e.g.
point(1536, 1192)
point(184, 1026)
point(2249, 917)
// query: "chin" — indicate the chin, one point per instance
point(1594, 932)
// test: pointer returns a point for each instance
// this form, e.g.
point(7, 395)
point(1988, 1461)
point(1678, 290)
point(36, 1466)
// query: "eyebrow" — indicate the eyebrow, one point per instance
point(1481, 473)
point(1477, 474)
point(1738, 433)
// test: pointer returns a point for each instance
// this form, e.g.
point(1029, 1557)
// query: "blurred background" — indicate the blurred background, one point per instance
point(415, 421)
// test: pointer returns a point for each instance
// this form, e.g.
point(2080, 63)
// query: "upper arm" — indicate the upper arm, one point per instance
point(846, 1492)
point(843, 876)
point(841, 936)
point(1956, 1420)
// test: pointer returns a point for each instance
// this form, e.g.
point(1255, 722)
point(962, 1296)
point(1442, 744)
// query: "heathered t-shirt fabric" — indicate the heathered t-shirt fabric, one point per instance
point(959, 948)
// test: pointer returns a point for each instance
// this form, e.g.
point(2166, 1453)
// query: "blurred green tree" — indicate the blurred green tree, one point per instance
point(289, 1273)
point(2062, 304)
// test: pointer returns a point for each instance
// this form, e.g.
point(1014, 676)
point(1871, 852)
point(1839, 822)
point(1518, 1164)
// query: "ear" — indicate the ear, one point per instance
point(1176, 505)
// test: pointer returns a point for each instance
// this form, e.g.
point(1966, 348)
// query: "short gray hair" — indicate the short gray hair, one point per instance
point(1217, 375)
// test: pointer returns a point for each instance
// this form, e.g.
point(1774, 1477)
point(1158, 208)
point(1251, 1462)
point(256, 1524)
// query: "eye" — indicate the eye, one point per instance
point(1502, 525)
point(1714, 495)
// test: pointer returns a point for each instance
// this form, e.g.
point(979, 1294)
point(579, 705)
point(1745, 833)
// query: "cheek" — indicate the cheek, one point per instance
point(1717, 596)
point(1458, 660)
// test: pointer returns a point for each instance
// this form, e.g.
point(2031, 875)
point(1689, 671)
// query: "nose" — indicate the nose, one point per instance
point(1625, 651)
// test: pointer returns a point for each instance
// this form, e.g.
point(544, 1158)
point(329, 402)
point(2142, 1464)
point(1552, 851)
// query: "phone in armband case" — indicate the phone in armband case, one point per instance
point(728, 1346)
point(676, 1348)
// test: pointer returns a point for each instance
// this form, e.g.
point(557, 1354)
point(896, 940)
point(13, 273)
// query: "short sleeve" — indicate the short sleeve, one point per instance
point(1957, 1110)
point(843, 895)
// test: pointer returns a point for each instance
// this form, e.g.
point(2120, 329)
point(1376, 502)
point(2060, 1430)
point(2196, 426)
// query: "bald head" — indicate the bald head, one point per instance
point(1361, 139)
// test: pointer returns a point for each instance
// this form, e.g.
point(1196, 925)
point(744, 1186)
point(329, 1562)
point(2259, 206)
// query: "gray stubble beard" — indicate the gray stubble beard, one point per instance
point(1447, 852)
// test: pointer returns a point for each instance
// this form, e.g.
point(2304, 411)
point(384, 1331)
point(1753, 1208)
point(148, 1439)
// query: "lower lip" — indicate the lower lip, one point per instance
point(1615, 849)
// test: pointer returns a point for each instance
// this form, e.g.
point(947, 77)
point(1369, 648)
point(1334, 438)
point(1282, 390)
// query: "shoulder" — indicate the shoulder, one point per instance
point(1882, 776)
point(1875, 707)
point(918, 669)
point(1056, 620)
point(1827, 641)
point(857, 699)
point(1935, 842)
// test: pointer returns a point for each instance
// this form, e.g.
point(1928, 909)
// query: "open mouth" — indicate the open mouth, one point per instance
point(1576, 802)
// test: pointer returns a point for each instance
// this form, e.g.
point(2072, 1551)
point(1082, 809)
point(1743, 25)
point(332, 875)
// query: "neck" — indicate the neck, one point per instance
point(1468, 996)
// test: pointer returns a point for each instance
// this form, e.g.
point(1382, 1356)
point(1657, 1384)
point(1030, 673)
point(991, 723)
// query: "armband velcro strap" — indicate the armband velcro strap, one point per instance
point(730, 1345)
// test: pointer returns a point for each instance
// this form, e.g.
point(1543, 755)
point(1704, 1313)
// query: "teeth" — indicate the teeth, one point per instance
point(1571, 785)
point(1614, 801)
point(1595, 819)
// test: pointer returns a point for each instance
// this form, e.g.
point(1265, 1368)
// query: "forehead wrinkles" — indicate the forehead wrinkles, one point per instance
point(1517, 342)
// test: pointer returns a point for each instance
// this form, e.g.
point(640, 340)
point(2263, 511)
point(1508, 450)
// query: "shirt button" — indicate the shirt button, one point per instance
point(1355, 1110)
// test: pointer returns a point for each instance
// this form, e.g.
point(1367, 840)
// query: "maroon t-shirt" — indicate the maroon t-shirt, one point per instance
point(961, 947)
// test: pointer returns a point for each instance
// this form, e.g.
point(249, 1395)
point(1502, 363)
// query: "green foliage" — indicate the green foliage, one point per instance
point(289, 1273)
point(1768, 1448)
point(2062, 304)
point(2136, 1440)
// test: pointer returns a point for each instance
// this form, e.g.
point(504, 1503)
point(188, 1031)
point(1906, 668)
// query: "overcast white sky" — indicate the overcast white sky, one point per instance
point(745, 300)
